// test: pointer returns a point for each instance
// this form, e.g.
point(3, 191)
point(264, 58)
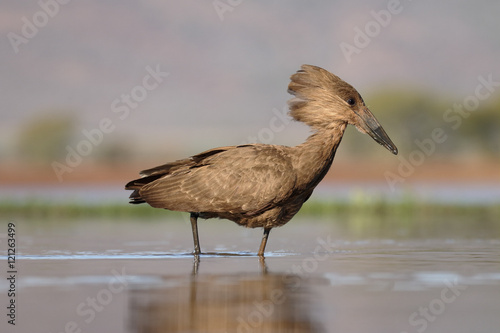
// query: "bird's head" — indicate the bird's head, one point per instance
point(323, 100)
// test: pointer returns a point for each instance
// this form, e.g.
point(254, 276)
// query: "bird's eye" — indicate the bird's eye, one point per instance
point(351, 101)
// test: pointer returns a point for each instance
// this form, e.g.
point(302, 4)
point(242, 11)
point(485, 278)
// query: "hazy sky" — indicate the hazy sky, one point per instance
point(228, 62)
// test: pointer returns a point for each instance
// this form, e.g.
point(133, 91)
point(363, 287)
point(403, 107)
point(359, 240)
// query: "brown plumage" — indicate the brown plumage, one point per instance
point(259, 185)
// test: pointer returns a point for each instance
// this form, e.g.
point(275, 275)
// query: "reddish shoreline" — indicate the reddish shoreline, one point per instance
point(464, 172)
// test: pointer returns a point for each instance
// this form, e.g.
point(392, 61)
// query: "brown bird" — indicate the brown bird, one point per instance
point(261, 185)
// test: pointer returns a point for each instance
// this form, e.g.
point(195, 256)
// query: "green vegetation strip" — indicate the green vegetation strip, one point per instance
point(408, 209)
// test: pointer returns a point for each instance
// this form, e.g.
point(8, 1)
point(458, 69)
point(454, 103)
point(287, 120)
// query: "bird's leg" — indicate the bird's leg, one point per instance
point(264, 241)
point(194, 227)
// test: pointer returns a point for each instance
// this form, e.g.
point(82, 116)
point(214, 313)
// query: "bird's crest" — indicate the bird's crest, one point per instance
point(316, 92)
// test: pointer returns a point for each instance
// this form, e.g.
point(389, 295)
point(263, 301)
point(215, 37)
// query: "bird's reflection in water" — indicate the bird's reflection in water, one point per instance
point(250, 302)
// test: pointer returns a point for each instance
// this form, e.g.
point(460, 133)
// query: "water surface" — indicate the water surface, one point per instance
point(319, 275)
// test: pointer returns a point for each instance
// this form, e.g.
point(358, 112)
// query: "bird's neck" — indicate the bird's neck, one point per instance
point(315, 156)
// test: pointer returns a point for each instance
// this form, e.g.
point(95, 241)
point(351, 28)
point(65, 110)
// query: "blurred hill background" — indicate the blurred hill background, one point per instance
point(96, 91)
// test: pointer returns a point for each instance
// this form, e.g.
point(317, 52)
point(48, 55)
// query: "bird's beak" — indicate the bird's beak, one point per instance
point(367, 123)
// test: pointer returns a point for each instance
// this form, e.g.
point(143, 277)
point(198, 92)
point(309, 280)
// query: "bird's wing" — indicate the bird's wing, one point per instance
point(239, 179)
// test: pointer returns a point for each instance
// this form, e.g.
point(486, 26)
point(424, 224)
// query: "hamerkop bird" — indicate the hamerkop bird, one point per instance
point(260, 185)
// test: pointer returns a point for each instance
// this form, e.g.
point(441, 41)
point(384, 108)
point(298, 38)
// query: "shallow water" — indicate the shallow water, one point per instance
point(318, 276)
point(444, 192)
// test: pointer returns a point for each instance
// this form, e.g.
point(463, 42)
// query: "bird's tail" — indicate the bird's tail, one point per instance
point(136, 185)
